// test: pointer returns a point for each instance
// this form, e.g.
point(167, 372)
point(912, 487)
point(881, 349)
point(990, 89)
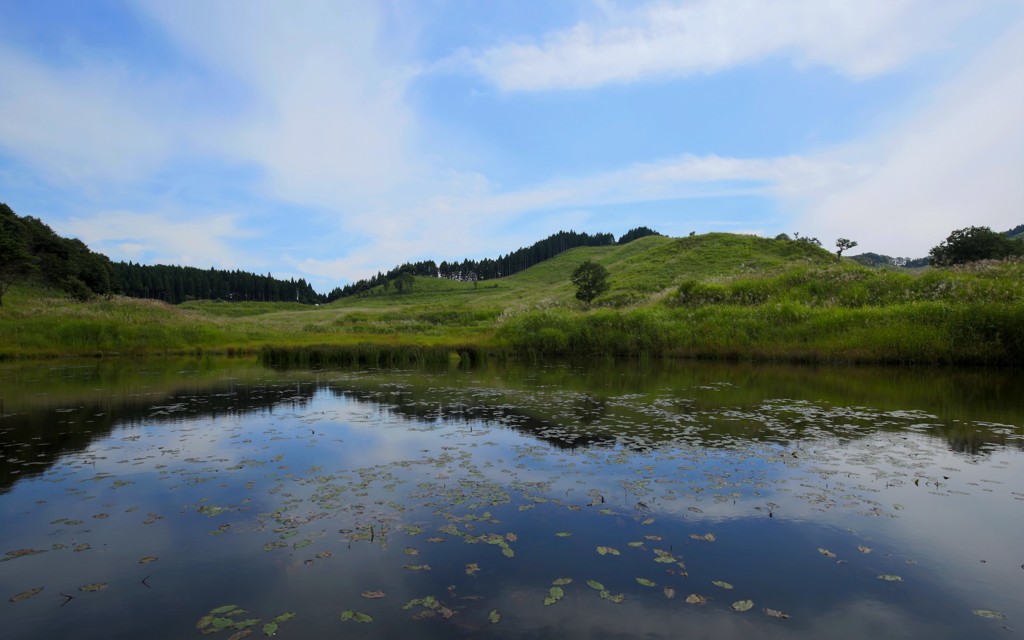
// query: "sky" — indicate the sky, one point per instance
point(329, 140)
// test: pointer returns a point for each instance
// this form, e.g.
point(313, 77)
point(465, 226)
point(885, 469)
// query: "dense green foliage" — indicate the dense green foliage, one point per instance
point(637, 233)
point(30, 247)
point(178, 284)
point(974, 243)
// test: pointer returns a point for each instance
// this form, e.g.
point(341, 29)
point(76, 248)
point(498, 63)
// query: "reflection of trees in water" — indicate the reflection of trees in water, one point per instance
point(564, 417)
point(31, 442)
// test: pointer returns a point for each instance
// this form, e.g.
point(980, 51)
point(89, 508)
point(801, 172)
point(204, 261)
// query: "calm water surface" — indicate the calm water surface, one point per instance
point(173, 499)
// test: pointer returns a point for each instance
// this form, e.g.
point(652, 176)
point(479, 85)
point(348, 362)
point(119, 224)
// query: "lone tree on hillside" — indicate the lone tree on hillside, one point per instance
point(842, 244)
point(591, 280)
point(974, 243)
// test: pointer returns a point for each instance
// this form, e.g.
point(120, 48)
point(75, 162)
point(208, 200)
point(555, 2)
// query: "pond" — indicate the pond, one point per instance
point(183, 498)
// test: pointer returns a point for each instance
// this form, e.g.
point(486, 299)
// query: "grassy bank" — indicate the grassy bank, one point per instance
point(712, 296)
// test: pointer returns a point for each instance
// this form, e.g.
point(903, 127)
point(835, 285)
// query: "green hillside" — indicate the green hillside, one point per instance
point(715, 296)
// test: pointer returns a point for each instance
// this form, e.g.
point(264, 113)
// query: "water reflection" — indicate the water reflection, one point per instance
point(475, 491)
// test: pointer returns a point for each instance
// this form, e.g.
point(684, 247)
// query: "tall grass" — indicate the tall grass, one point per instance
point(919, 332)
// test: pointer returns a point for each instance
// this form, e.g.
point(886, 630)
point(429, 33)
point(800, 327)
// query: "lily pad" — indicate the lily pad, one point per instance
point(147, 559)
point(563, 534)
point(472, 568)
point(493, 616)
point(743, 605)
point(826, 553)
point(372, 595)
point(594, 584)
point(645, 582)
point(719, 583)
point(25, 595)
point(554, 595)
point(707, 537)
point(96, 586)
point(890, 578)
point(669, 592)
point(986, 613)
point(775, 613)
point(355, 616)
point(696, 598)
point(864, 549)
point(562, 582)
point(608, 551)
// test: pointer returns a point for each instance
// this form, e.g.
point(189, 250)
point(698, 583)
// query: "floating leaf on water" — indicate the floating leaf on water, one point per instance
point(324, 554)
point(507, 552)
point(653, 537)
point(238, 635)
point(147, 559)
point(608, 550)
point(863, 549)
point(669, 592)
point(25, 595)
point(554, 595)
point(775, 613)
point(562, 582)
point(986, 613)
point(563, 534)
point(648, 521)
point(645, 582)
point(355, 616)
point(493, 616)
point(224, 609)
point(826, 553)
point(270, 629)
point(617, 599)
point(890, 578)
point(511, 537)
point(719, 583)
point(410, 551)
point(435, 539)
point(85, 546)
point(636, 544)
point(417, 567)
point(696, 598)
point(472, 568)
point(372, 595)
point(594, 584)
point(743, 605)
point(95, 586)
point(707, 537)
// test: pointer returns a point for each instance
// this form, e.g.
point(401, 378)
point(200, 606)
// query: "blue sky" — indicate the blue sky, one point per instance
point(330, 140)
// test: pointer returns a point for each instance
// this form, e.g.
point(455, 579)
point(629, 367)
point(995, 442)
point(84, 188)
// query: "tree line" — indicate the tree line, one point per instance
point(31, 250)
point(177, 284)
point(491, 268)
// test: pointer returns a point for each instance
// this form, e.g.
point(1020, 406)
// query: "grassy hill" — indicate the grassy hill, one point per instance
point(715, 295)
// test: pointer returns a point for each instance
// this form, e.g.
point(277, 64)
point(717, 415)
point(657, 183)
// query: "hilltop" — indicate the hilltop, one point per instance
point(715, 295)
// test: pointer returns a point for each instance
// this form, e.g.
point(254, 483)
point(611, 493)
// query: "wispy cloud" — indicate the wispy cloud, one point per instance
point(166, 238)
point(858, 39)
point(83, 123)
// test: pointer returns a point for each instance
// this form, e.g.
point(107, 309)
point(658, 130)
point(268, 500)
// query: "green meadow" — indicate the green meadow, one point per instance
point(716, 295)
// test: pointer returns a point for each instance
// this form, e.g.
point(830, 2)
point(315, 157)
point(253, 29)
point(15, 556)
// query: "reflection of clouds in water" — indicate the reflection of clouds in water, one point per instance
point(635, 618)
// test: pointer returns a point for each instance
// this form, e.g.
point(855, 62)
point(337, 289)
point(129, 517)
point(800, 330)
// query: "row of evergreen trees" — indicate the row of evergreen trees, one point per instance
point(491, 268)
point(30, 248)
point(178, 284)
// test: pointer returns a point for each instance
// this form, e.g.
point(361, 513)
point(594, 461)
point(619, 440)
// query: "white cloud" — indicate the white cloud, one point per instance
point(164, 238)
point(470, 207)
point(958, 162)
point(325, 118)
point(858, 39)
point(81, 123)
